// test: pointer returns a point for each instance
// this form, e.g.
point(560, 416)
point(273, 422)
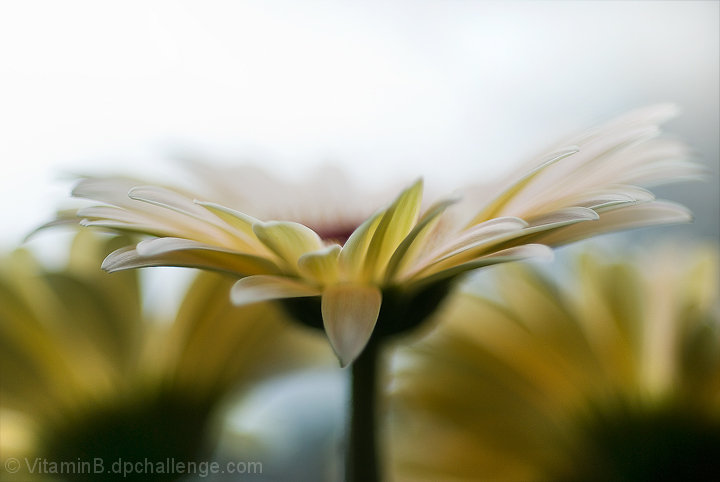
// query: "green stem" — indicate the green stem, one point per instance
point(362, 461)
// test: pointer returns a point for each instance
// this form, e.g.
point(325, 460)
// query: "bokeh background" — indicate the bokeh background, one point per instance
point(455, 91)
point(445, 89)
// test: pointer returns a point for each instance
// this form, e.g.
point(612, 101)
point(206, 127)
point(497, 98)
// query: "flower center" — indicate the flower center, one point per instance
point(401, 311)
point(338, 233)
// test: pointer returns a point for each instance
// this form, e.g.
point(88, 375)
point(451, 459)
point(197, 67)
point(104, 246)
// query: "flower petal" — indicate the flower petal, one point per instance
point(479, 234)
point(154, 229)
point(321, 265)
point(137, 215)
point(506, 196)
point(396, 223)
point(634, 216)
point(626, 151)
point(412, 246)
point(349, 313)
point(253, 289)
point(611, 197)
point(165, 198)
point(288, 240)
point(534, 251)
point(196, 218)
point(502, 233)
point(188, 254)
point(472, 243)
point(562, 217)
point(240, 222)
point(355, 248)
point(108, 190)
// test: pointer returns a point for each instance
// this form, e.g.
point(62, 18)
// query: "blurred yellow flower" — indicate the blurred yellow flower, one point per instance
point(400, 258)
point(613, 376)
point(85, 374)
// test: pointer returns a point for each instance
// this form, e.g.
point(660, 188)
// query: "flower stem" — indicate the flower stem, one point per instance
point(362, 461)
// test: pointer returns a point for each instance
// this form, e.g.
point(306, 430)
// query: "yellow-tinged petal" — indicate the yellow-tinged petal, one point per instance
point(395, 225)
point(479, 234)
point(240, 222)
point(506, 196)
point(194, 217)
point(470, 244)
point(412, 246)
point(191, 255)
point(321, 265)
point(288, 240)
point(527, 251)
point(479, 246)
point(253, 289)
point(353, 252)
point(349, 313)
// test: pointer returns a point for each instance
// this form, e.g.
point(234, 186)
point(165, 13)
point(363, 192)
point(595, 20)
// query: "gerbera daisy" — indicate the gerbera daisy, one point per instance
point(396, 266)
point(612, 375)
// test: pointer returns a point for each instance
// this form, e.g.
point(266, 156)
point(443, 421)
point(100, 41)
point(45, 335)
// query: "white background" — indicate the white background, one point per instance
point(452, 90)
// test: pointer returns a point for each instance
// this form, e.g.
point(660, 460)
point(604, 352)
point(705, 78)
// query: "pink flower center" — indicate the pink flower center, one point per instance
point(338, 233)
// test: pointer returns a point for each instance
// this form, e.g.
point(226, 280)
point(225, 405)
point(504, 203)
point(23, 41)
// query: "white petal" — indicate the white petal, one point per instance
point(166, 198)
point(108, 190)
point(253, 289)
point(146, 228)
point(534, 251)
point(612, 196)
point(349, 313)
point(241, 223)
point(495, 207)
point(188, 254)
point(625, 151)
point(112, 212)
point(564, 216)
point(510, 232)
point(202, 222)
point(625, 217)
point(480, 233)
point(120, 219)
point(123, 258)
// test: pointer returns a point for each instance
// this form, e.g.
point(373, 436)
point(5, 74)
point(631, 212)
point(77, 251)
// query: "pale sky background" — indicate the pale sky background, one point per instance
point(452, 90)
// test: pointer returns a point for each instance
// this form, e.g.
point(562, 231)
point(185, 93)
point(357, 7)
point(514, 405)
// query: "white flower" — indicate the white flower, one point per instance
point(572, 193)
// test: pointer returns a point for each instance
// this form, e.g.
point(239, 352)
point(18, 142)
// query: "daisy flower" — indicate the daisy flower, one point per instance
point(397, 265)
point(85, 374)
point(613, 374)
